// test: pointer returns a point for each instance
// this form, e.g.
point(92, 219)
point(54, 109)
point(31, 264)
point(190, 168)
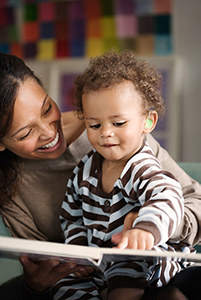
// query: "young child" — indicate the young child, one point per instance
point(119, 98)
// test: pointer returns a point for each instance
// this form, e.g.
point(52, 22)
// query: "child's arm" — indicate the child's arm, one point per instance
point(162, 205)
point(74, 231)
point(189, 229)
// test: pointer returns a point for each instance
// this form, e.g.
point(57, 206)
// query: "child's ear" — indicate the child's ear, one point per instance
point(2, 147)
point(150, 121)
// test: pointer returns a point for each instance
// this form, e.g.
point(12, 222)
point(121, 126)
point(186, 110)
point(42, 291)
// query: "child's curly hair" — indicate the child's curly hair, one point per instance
point(112, 68)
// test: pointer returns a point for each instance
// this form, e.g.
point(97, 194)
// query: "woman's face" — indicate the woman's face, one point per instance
point(36, 131)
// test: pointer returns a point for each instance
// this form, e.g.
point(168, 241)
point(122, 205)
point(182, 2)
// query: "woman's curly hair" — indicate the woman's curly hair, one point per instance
point(112, 68)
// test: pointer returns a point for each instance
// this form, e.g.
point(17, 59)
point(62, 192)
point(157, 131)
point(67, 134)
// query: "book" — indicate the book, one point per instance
point(84, 255)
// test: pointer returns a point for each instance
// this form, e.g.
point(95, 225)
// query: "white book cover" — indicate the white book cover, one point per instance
point(83, 255)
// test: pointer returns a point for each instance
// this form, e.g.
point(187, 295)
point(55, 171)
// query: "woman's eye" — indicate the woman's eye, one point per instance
point(118, 124)
point(24, 136)
point(49, 108)
point(96, 126)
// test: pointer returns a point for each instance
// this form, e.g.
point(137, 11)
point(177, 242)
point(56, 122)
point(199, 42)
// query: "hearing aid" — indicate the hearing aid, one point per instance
point(149, 122)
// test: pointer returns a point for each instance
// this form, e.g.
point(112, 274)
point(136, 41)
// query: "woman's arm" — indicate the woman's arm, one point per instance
point(72, 126)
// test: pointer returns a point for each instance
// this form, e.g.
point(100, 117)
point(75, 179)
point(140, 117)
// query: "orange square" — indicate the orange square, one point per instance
point(30, 32)
point(163, 7)
point(94, 28)
point(16, 49)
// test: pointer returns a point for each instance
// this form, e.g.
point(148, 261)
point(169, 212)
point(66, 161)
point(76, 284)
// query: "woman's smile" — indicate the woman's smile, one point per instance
point(52, 143)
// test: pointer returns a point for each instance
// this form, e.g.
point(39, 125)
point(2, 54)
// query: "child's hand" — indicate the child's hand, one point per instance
point(128, 222)
point(136, 239)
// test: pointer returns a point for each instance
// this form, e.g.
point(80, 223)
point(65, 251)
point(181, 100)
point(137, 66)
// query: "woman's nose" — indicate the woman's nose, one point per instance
point(47, 131)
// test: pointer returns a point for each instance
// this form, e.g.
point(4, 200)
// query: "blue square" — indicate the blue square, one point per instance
point(77, 47)
point(163, 44)
point(47, 30)
point(5, 48)
point(14, 3)
point(144, 7)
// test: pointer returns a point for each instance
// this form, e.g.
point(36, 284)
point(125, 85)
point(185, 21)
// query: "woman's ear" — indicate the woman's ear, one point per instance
point(150, 121)
point(2, 147)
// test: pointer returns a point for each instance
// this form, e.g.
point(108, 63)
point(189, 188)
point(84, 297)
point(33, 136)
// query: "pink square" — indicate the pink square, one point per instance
point(126, 26)
point(46, 11)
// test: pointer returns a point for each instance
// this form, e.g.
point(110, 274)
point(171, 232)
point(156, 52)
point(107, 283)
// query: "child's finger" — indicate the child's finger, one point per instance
point(123, 244)
point(116, 238)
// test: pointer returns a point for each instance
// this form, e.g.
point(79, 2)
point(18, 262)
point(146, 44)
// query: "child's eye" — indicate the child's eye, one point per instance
point(49, 108)
point(118, 124)
point(96, 126)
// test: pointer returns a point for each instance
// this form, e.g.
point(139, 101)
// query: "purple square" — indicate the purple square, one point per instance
point(30, 50)
point(124, 7)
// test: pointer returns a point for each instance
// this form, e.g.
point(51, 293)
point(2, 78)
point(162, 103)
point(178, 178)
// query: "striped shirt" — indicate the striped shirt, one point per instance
point(91, 216)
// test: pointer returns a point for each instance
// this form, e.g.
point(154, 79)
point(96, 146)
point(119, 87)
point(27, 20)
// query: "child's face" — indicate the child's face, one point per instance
point(114, 121)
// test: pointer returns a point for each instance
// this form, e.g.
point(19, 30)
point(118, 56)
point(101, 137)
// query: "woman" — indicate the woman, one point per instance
point(39, 148)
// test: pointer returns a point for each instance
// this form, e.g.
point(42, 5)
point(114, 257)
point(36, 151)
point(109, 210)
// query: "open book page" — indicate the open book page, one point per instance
point(40, 250)
point(84, 255)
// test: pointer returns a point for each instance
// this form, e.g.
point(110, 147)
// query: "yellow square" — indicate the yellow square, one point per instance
point(94, 47)
point(108, 27)
point(46, 49)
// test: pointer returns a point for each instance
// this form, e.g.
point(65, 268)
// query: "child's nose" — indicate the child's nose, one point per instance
point(106, 131)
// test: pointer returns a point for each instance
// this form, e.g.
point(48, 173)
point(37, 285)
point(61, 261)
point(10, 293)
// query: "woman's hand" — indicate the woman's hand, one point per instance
point(41, 275)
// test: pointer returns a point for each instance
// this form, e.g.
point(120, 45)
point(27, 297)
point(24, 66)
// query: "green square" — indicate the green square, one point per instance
point(13, 33)
point(127, 43)
point(109, 43)
point(163, 24)
point(31, 12)
point(107, 7)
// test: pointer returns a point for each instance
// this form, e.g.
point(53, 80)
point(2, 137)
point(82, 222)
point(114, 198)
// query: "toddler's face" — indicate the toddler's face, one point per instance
point(114, 121)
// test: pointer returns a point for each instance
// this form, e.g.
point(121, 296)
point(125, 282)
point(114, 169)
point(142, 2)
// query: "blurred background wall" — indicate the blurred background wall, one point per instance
point(56, 38)
point(187, 44)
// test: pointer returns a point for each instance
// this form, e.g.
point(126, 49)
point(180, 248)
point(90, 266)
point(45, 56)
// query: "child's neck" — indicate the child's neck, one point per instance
point(110, 173)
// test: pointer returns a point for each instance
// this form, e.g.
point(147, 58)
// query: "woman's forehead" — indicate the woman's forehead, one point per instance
point(29, 102)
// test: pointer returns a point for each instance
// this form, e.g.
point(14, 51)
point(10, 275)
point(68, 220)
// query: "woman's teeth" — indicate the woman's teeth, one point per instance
point(53, 143)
